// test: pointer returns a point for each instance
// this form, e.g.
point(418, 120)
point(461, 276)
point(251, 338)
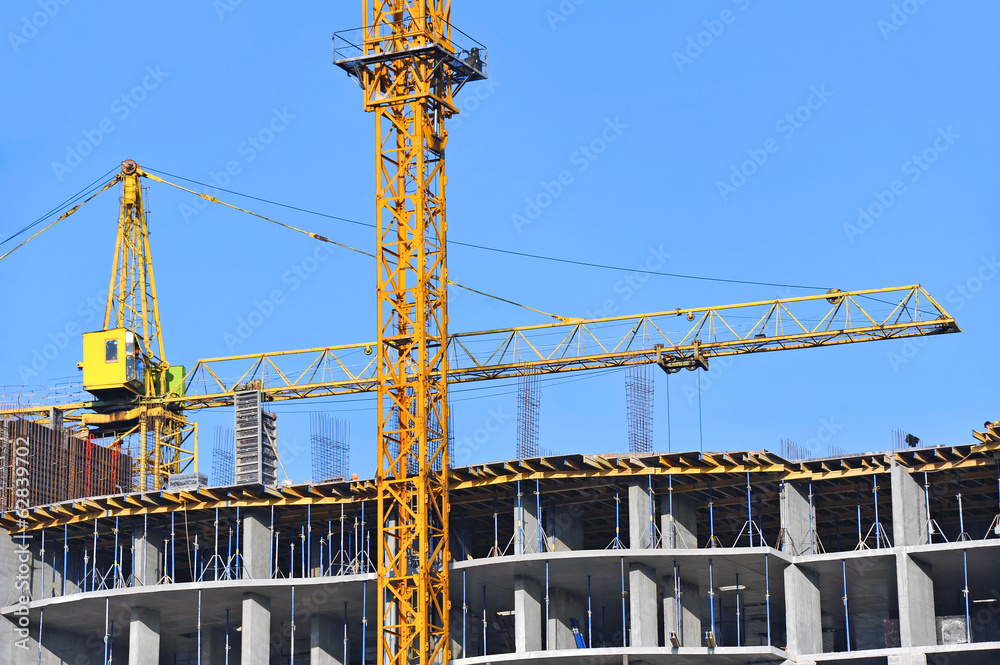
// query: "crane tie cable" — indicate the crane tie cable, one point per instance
point(62, 217)
point(316, 236)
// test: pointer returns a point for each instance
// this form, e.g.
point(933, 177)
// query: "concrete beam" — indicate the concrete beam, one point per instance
point(678, 522)
point(565, 528)
point(915, 584)
point(526, 533)
point(798, 519)
point(256, 631)
point(325, 643)
point(803, 621)
point(643, 595)
point(527, 614)
point(256, 545)
point(143, 636)
point(640, 515)
point(909, 507)
point(689, 628)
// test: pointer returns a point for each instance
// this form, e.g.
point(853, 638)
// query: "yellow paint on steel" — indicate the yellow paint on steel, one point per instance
point(623, 341)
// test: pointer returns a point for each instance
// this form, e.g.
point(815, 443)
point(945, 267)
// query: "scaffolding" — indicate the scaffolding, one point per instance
point(331, 448)
point(639, 391)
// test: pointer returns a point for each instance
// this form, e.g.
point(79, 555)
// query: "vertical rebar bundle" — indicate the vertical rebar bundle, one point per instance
point(224, 457)
point(330, 438)
point(639, 390)
point(528, 402)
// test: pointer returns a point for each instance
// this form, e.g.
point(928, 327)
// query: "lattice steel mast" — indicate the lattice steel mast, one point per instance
point(410, 65)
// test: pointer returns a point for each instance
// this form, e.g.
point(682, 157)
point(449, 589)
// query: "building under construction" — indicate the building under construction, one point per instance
point(738, 557)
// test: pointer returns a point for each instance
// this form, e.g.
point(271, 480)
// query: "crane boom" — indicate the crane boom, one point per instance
point(680, 338)
point(783, 324)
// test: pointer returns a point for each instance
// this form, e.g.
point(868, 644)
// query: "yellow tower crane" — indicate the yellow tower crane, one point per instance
point(123, 363)
point(410, 62)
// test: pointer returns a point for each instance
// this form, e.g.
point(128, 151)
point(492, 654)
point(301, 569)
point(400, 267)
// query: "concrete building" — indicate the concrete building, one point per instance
point(878, 559)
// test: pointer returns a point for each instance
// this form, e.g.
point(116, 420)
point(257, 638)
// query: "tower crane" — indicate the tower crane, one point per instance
point(411, 63)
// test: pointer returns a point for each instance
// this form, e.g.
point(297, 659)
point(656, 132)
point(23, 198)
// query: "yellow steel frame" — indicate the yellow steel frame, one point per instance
point(133, 304)
point(132, 301)
point(677, 337)
point(408, 83)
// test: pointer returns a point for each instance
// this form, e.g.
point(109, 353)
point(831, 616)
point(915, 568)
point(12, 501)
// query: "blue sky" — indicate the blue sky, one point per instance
point(833, 100)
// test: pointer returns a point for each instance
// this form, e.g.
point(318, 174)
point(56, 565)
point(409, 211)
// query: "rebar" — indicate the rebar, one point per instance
point(331, 448)
point(639, 394)
point(528, 406)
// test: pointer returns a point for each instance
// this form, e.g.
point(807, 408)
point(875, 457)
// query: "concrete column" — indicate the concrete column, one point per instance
point(325, 643)
point(683, 521)
point(256, 545)
point(909, 659)
point(803, 622)
point(640, 514)
point(909, 507)
point(144, 636)
point(565, 528)
point(455, 627)
point(798, 519)
point(689, 633)
point(563, 606)
point(915, 584)
point(527, 614)
point(256, 632)
point(148, 552)
point(213, 646)
point(526, 521)
point(643, 596)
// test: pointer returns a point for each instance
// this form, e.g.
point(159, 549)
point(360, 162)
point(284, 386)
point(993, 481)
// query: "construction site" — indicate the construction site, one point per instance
point(125, 538)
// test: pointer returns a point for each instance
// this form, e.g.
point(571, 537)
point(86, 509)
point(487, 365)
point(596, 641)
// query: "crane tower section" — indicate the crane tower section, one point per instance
point(411, 62)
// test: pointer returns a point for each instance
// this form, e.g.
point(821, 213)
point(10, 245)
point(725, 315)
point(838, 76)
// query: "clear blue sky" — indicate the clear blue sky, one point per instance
point(686, 90)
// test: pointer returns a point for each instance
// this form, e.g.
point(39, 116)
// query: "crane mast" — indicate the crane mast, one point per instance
point(410, 67)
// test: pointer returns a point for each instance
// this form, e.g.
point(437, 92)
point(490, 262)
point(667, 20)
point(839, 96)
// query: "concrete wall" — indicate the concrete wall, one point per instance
point(797, 519)
point(678, 522)
point(803, 620)
point(909, 507)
